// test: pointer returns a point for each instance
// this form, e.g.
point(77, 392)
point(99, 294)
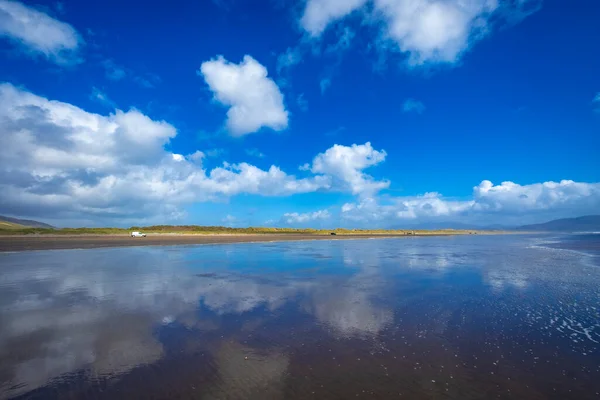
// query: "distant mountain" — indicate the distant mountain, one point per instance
point(432, 225)
point(588, 223)
point(15, 222)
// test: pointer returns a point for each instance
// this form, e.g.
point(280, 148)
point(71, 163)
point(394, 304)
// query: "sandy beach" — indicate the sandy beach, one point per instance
point(53, 242)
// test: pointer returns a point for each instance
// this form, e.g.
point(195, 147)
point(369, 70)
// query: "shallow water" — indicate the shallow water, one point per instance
point(419, 318)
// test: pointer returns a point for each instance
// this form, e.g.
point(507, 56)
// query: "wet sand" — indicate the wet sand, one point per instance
point(454, 318)
point(55, 242)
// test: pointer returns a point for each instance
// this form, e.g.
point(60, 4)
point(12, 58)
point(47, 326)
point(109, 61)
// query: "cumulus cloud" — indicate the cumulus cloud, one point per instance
point(412, 105)
point(346, 164)
point(428, 31)
point(39, 33)
point(254, 100)
point(507, 202)
point(58, 159)
point(296, 218)
point(512, 197)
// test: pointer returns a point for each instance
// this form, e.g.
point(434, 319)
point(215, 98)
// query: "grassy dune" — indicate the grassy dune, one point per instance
point(15, 229)
point(10, 225)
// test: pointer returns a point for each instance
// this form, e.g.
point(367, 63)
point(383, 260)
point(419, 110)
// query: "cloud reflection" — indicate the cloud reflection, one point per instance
point(95, 310)
point(98, 310)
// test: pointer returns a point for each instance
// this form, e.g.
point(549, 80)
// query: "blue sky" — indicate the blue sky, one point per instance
point(324, 113)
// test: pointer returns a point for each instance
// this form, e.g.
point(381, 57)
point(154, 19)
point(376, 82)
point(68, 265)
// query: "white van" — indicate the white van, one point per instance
point(138, 234)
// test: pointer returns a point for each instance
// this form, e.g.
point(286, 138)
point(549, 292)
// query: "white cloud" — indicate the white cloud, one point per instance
point(58, 159)
point(435, 31)
point(197, 156)
point(412, 105)
point(38, 32)
point(428, 31)
point(512, 197)
point(254, 99)
point(346, 164)
point(596, 102)
point(505, 203)
point(320, 13)
point(296, 218)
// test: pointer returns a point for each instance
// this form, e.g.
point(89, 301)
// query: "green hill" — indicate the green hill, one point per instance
point(16, 223)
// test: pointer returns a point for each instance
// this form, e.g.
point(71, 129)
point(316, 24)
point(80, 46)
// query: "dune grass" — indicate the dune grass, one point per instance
point(15, 229)
point(10, 225)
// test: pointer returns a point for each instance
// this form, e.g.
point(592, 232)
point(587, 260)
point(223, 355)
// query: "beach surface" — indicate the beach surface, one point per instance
point(462, 317)
point(54, 242)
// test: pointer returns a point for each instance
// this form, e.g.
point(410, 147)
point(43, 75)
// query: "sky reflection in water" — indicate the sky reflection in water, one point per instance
point(463, 317)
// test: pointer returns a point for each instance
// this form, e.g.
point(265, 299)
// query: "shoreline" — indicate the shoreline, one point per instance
point(11, 243)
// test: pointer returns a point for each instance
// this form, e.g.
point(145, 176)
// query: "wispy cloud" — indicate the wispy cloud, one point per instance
point(324, 84)
point(302, 102)
point(596, 102)
point(60, 7)
point(230, 220)
point(101, 97)
point(116, 72)
point(345, 36)
point(149, 81)
point(254, 152)
point(412, 105)
point(297, 218)
point(223, 4)
point(112, 70)
point(216, 152)
point(336, 131)
point(292, 56)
